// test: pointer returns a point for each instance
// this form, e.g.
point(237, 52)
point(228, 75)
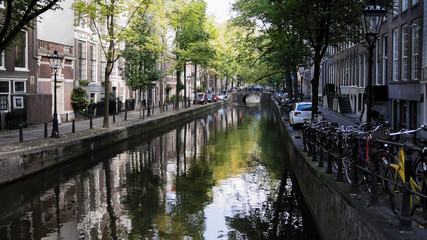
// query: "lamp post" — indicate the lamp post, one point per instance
point(55, 62)
point(372, 19)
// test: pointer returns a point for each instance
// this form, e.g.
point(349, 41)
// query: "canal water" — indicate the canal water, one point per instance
point(220, 176)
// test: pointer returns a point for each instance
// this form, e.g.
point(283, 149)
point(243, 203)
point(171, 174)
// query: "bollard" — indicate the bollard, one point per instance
point(309, 142)
point(73, 126)
point(143, 113)
point(329, 146)
point(304, 139)
point(90, 122)
point(340, 177)
point(126, 114)
point(374, 179)
point(114, 118)
point(45, 130)
point(153, 108)
point(354, 182)
point(21, 135)
point(405, 221)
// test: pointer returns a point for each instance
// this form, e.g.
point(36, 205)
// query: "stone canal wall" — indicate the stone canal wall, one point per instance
point(37, 157)
point(338, 213)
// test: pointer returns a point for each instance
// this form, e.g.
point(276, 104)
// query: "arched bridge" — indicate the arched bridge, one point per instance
point(241, 96)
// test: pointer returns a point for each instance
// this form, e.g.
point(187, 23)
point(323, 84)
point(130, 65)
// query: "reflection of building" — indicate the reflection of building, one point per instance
point(399, 88)
point(117, 189)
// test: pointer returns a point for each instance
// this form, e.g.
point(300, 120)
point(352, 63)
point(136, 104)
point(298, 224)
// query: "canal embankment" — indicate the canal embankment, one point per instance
point(338, 212)
point(21, 160)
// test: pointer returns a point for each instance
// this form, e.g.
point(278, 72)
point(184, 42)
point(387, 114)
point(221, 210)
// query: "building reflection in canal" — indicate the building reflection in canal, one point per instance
point(222, 176)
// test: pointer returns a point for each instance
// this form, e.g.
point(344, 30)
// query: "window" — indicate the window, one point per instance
point(93, 64)
point(18, 102)
point(377, 62)
point(2, 66)
point(414, 2)
point(93, 97)
point(405, 49)
point(4, 94)
point(103, 66)
point(395, 54)
point(21, 51)
point(82, 60)
point(19, 87)
point(404, 5)
point(415, 40)
point(385, 52)
point(396, 8)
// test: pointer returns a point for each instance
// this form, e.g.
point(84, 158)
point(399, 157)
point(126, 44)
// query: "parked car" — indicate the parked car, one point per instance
point(210, 97)
point(225, 94)
point(215, 97)
point(300, 114)
point(221, 96)
point(201, 98)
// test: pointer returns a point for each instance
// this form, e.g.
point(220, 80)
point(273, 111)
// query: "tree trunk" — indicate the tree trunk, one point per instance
point(178, 79)
point(195, 83)
point(185, 84)
point(315, 84)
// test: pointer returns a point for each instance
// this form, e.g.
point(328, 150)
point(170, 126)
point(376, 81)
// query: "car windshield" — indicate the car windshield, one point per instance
point(305, 107)
point(199, 95)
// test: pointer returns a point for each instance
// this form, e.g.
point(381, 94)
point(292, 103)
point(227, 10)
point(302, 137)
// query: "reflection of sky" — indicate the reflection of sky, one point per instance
point(237, 196)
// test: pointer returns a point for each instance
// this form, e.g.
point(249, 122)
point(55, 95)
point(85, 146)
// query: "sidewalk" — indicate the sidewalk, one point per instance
point(38, 131)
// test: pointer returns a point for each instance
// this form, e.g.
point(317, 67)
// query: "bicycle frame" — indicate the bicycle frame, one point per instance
point(400, 170)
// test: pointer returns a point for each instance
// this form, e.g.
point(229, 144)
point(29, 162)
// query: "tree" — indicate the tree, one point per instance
point(109, 19)
point(141, 54)
point(79, 98)
point(326, 23)
point(186, 20)
point(19, 14)
point(273, 49)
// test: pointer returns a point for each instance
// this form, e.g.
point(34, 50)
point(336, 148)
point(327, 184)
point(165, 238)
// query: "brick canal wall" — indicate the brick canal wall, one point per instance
point(38, 156)
point(338, 213)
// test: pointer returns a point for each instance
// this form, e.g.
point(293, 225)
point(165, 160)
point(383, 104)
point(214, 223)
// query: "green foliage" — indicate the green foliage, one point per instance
point(79, 98)
point(180, 85)
point(84, 82)
point(19, 14)
point(141, 54)
point(168, 88)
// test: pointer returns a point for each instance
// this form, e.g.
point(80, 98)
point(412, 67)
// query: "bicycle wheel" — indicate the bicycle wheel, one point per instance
point(393, 191)
point(419, 167)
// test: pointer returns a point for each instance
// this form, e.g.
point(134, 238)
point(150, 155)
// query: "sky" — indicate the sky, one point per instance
point(220, 9)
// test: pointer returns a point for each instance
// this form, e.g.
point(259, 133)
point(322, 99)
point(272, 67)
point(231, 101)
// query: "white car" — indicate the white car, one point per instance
point(300, 114)
point(221, 96)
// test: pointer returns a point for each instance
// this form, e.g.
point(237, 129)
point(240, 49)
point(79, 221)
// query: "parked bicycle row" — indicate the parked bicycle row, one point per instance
point(374, 160)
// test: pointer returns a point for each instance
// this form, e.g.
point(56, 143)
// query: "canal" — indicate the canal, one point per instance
point(221, 176)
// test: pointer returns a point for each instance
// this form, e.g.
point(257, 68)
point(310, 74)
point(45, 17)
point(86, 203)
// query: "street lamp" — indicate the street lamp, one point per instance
point(372, 19)
point(55, 62)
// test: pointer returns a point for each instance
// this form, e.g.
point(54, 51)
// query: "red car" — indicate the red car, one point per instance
point(215, 97)
point(201, 98)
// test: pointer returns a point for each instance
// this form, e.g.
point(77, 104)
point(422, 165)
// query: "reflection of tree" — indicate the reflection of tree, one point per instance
point(193, 194)
point(112, 228)
point(277, 219)
point(143, 199)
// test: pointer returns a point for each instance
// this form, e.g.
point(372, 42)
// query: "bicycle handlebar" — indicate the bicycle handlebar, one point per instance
point(405, 131)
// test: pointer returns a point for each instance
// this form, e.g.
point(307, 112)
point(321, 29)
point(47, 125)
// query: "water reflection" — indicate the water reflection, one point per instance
point(218, 177)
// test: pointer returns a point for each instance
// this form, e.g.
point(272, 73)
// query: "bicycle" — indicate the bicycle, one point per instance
point(396, 173)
